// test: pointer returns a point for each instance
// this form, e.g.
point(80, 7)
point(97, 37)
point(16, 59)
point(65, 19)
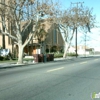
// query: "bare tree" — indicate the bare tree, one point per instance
point(73, 18)
point(25, 16)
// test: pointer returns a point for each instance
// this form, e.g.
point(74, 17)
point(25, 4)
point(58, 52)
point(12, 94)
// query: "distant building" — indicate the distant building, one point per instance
point(82, 50)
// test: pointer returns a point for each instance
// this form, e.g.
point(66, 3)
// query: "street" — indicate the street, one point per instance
point(71, 79)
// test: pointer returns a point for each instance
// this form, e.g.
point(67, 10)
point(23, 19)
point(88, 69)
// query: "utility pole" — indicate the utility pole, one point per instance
point(76, 24)
point(85, 45)
point(76, 42)
point(86, 39)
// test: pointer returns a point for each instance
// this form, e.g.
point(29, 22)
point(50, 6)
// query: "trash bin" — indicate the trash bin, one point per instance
point(45, 58)
point(35, 57)
point(38, 57)
point(51, 57)
point(48, 57)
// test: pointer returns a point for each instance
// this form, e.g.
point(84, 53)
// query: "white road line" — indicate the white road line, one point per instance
point(96, 59)
point(55, 69)
point(83, 62)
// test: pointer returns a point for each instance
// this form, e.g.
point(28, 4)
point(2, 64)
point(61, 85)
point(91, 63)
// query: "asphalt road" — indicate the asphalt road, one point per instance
point(73, 79)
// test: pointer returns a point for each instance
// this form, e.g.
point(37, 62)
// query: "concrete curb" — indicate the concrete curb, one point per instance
point(13, 65)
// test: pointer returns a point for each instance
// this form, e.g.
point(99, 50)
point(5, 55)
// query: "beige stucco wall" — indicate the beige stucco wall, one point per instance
point(7, 45)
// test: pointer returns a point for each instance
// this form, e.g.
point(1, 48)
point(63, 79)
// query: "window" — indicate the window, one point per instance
point(54, 36)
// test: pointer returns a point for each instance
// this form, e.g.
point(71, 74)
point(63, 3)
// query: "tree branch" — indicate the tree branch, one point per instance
point(27, 41)
point(8, 34)
point(26, 27)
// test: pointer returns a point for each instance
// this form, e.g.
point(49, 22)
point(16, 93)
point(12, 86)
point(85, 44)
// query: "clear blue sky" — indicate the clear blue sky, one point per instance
point(94, 40)
point(88, 3)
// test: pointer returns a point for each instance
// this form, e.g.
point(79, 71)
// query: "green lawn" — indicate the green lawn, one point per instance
point(10, 61)
point(15, 60)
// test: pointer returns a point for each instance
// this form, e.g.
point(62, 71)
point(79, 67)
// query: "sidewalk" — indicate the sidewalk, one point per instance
point(13, 64)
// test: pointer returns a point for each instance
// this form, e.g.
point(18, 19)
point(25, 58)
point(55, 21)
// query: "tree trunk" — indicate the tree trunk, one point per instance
point(20, 54)
point(67, 46)
point(65, 50)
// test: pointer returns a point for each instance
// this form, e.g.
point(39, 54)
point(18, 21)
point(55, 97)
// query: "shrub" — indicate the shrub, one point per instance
point(58, 55)
point(72, 54)
point(1, 58)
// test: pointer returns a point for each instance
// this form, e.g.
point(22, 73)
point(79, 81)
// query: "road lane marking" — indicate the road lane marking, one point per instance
point(55, 69)
point(83, 62)
point(96, 59)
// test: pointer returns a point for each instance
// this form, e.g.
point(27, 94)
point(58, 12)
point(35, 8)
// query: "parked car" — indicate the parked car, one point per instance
point(5, 54)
